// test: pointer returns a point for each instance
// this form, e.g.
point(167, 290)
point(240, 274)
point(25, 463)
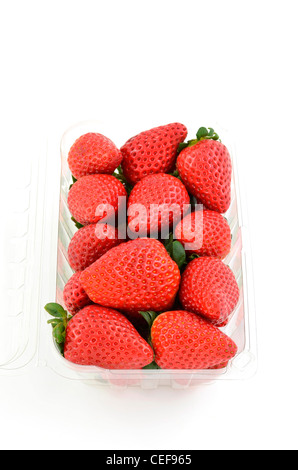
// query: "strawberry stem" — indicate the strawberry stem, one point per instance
point(77, 223)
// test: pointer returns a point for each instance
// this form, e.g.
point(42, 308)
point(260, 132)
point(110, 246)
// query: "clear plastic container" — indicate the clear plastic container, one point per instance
point(39, 231)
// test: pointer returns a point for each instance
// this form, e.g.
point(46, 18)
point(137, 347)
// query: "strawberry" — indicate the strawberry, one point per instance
point(134, 276)
point(93, 153)
point(209, 288)
point(95, 197)
point(74, 296)
point(89, 243)
point(163, 199)
point(152, 151)
point(101, 337)
point(183, 340)
point(205, 233)
point(205, 168)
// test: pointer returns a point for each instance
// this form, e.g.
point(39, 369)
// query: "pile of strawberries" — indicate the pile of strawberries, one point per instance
point(150, 288)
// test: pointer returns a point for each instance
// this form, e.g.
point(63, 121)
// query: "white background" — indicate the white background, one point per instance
point(154, 62)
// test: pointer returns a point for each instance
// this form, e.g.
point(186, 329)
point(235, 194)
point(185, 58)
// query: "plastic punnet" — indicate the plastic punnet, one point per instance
point(39, 232)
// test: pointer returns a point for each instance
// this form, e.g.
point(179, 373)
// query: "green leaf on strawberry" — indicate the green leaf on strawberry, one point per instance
point(55, 310)
point(176, 174)
point(182, 146)
point(169, 245)
point(59, 333)
point(118, 173)
point(74, 180)
point(150, 317)
point(151, 366)
point(202, 133)
point(176, 251)
point(179, 255)
point(193, 256)
point(59, 323)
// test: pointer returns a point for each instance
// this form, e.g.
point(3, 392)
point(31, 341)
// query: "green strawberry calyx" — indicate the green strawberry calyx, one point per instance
point(176, 251)
point(118, 173)
point(74, 180)
point(78, 226)
point(149, 316)
point(151, 366)
point(202, 134)
point(59, 323)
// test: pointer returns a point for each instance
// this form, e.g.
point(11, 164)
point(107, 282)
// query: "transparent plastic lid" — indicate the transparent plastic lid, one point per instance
point(21, 267)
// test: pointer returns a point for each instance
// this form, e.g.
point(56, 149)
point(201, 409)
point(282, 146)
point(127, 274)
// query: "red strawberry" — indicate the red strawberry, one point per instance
point(152, 151)
point(74, 296)
point(134, 276)
point(206, 233)
point(103, 337)
point(93, 153)
point(94, 197)
point(163, 199)
point(183, 340)
point(205, 168)
point(98, 336)
point(209, 288)
point(89, 243)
